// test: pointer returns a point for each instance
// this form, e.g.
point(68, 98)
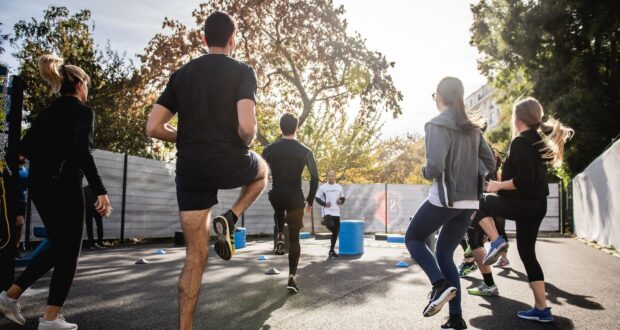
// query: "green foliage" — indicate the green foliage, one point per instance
point(566, 53)
point(114, 86)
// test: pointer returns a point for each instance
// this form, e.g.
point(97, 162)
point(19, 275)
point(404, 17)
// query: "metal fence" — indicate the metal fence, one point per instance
point(142, 192)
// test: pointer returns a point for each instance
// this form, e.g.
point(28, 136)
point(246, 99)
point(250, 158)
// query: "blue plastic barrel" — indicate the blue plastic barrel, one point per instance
point(351, 237)
point(239, 238)
point(396, 239)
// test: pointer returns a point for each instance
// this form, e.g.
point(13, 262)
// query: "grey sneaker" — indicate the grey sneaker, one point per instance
point(57, 324)
point(9, 309)
point(484, 291)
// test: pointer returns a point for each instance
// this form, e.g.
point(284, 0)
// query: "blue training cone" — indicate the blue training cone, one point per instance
point(262, 258)
point(402, 264)
point(160, 252)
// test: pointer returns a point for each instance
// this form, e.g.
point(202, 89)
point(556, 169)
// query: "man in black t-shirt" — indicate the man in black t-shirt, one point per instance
point(214, 98)
point(287, 158)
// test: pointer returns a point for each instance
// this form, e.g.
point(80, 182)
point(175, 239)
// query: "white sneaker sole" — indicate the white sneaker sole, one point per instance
point(491, 258)
point(533, 318)
point(9, 315)
point(436, 306)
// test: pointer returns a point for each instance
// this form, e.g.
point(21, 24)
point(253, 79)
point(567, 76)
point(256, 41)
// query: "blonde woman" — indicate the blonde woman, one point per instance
point(59, 146)
point(522, 194)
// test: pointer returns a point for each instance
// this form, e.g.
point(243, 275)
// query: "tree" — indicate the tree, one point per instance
point(306, 62)
point(566, 53)
point(401, 160)
point(114, 86)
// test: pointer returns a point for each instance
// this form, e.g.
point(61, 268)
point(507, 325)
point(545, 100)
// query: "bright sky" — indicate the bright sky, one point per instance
point(427, 39)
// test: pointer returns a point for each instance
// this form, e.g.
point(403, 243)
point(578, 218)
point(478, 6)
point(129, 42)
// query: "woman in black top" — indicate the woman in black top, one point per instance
point(522, 193)
point(59, 146)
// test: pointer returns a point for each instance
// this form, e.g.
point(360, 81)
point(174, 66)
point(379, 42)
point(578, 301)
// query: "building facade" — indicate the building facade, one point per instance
point(482, 100)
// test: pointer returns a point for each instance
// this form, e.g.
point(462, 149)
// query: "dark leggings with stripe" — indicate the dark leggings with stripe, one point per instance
point(289, 208)
point(528, 215)
point(60, 203)
point(454, 223)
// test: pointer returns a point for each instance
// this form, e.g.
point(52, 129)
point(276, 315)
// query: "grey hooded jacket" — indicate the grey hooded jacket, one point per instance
point(457, 160)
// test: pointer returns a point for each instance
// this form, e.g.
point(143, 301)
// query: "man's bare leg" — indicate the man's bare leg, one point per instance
point(196, 228)
point(252, 191)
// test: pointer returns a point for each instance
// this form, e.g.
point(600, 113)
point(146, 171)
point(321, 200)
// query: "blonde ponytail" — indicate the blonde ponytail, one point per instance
point(554, 134)
point(61, 78)
point(49, 70)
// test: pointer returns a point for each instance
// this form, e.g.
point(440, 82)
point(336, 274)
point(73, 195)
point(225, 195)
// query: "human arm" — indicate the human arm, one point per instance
point(437, 143)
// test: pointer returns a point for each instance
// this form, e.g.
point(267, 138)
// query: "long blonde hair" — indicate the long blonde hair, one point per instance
point(554, 134)
point(61, 78)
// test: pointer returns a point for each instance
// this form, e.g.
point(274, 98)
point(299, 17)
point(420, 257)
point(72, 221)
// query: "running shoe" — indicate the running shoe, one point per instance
point(57, 324)
point(292, 286)
point(502, 262)
point(536, 314)
point(467, 268)
point(9, 309)
point(468, 253)
point(484, 291)
point(497, 247)
point(333, 254)
point(280, 244)
point(455, 322)
point(224, 226)
point(439, 296)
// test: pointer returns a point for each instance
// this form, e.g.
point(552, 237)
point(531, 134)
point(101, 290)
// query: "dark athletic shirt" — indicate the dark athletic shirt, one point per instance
point(62, 132)
point(525, 166)
point(204, 93)
point(287, 159)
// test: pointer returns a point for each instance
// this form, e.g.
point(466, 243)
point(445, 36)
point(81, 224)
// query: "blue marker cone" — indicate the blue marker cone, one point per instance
point(262, 258)
point(402, 264)
point(160, 252)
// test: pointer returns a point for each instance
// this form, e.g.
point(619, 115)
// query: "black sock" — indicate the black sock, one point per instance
point(438, 283)
point(488, 279)
point(233, 215)
point(456, 316)
point(469, 263)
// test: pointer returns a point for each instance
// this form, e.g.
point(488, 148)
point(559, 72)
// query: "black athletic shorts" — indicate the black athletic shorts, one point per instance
point(331, 222)
point(288, 207)
point(194, 194)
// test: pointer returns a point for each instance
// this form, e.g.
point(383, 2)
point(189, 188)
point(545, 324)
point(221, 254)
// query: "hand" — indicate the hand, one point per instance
point(308, 208)
point(102, 205)
point(339, 202)
point(494, 186)
point(328, 204)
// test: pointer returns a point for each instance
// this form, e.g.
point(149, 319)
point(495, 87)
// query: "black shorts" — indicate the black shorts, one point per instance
point(331, 222)
point(195, 194)
point(288, 207)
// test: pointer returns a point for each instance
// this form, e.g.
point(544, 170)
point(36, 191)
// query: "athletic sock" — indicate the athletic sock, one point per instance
point(233, 215)
point(469, 263)
point(488, 279)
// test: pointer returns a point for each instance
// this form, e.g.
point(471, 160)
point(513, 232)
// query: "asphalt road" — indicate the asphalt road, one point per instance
point(362, 292)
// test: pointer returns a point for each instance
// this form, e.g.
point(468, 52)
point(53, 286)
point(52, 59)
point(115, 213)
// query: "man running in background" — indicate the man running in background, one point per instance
point(214, 98)
point(330, 196)
point(287, 158)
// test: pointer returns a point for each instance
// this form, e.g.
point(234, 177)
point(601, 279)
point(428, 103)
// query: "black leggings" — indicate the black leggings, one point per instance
point(60, 204)
point(90, 214)
point(333, 224)
point(288, 209)
point(528, 215)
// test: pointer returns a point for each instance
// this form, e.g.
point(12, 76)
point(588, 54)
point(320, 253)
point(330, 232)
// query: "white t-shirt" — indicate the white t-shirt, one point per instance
point(330, 193)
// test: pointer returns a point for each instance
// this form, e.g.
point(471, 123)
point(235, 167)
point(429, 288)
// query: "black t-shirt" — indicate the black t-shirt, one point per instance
point(204, 93)
point(526, 167)
point(287, 159)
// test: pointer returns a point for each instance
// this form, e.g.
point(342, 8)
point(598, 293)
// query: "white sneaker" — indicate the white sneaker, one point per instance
point(57, 324)
point(9, 309)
